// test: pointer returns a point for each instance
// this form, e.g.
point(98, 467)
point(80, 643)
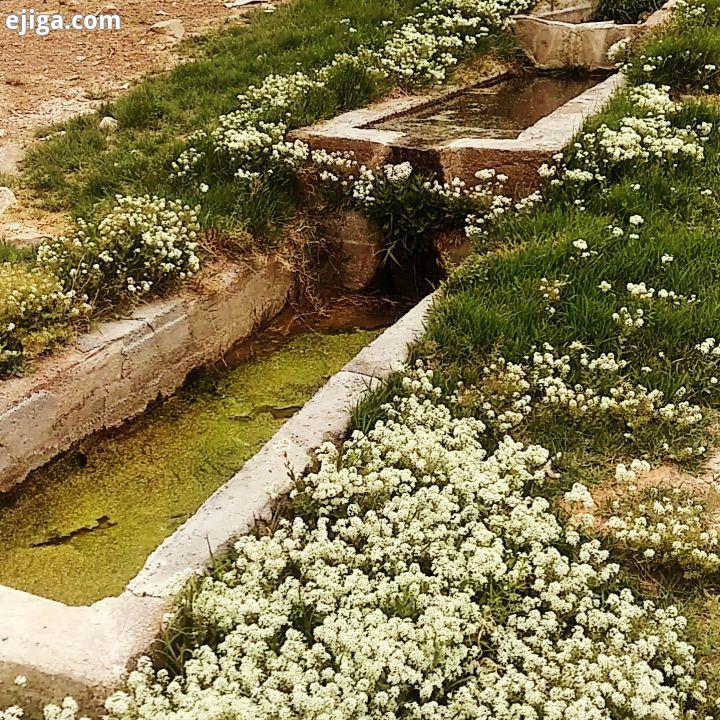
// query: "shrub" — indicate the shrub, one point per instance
point(626, 11)
point(141, 246)
point(36, 311)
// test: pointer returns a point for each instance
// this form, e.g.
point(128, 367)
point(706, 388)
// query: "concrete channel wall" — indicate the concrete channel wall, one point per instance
point(111, 374)
point(562, 38)
point(85, 651)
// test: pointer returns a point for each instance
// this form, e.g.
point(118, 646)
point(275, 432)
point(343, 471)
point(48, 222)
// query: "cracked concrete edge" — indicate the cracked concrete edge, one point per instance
point(562, 38)
point(86, 651)
point(112, 373)
point(82, 652)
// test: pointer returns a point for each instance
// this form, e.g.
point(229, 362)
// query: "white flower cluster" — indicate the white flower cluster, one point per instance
point(33, 301)
point(649, 135)
point(630, 473)
point(423, 582)
point(668, 526)
point(509, 393)
point(550, 291)
point(424, 48)
point(640, 291)
point(140, 245)
point(478, 204)
point(629, 320)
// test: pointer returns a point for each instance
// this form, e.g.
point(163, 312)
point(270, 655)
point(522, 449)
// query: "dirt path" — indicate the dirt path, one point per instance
point(49, 79)
point(45, 80)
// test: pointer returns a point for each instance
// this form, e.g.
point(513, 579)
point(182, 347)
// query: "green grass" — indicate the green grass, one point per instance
point(11, 253)
point(626, 11)
point(493, 302)
point(684, 54)
point(83, 166)
point(74, 171)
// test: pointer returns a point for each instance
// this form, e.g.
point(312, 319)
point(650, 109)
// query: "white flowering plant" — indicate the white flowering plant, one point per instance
point(644, 127)
point(418, 574)
point(36, 312)
point(684, 55)
point(665, 527)
point(139, 247)
point(409, 206)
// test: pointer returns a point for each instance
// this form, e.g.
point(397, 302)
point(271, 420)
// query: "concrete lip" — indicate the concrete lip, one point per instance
point(559, 36)
point(517, 158)
point(86, 651)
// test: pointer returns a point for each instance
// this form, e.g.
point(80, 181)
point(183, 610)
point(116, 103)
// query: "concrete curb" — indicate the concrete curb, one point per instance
point(111, 374)
point(85, 651)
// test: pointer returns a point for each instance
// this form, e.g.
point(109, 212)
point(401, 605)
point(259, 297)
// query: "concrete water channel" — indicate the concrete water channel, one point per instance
point(501, 109)
point(79, 529)
point(92, 541)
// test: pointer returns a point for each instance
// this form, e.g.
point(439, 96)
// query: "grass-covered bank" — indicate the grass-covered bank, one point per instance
point(83, 165)
point(234, 177)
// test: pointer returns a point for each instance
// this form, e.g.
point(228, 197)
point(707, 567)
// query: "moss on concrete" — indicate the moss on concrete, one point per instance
point(79, 529)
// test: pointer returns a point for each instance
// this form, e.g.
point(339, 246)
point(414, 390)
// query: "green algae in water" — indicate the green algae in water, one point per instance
point(79, 529)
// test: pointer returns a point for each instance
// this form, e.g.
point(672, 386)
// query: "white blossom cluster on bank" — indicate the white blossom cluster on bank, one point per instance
point(650, 134)
point(423, 580)
point(142, 243)
point(251, 140)
point(139, 247)
point(34, 306)
point(684, 55)
point(666, 526)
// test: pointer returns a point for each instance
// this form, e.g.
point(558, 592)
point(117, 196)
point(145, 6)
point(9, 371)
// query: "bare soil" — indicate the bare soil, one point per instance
point(44, 80)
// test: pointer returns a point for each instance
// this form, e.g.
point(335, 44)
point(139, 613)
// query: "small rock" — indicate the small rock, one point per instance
point(10, 156)
point(21, 235)
point(108, 124)
point(7, 199)
point(170, 28)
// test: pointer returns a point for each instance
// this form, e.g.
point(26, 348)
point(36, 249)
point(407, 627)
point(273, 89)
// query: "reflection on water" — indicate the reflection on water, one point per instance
point(502, 110)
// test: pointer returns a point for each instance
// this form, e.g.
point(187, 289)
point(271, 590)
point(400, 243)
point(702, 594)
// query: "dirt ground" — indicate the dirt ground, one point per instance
point(44, 80)
point(48, 79)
